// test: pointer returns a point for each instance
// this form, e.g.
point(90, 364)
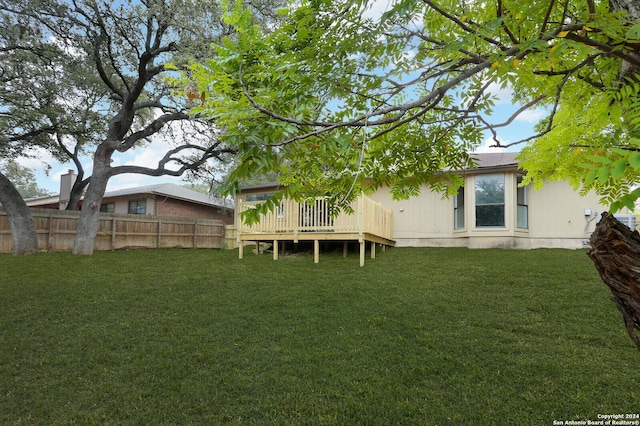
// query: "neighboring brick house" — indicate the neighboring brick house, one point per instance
point(167, 199)
point(163, 199)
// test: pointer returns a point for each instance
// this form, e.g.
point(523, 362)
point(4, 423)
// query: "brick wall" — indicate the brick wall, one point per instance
point(173, 207)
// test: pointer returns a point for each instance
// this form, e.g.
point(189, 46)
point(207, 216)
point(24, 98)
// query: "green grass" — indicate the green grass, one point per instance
point(417, 336)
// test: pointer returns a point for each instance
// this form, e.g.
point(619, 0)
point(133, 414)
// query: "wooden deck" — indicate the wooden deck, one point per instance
point(294, 222)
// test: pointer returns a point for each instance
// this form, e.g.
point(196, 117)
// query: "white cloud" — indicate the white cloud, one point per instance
point(532, 115)
point(47, 169)
point(487, 146)
point(376, 8)
point(147, 156)
point(503, 96)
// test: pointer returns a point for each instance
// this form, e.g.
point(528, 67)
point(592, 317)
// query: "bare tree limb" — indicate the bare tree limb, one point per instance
point(150, 129)
point(215, 151)
point(515, 115)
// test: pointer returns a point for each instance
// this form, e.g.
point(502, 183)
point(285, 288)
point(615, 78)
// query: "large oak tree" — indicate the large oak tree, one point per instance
point(88, 77)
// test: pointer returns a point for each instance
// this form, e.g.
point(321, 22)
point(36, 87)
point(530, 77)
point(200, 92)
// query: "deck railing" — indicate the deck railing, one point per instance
point(315, 216)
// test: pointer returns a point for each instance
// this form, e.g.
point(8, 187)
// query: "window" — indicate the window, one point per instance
point(490, 200)
point(257, 197)
point(458, 209)
point(108, 208)
point(137, 207)
point(523, 205)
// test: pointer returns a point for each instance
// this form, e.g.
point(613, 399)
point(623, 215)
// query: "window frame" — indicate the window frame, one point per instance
point(485, 206)
point(139, 202)
point(458, 210)
point(524, 206)
point(108, 208)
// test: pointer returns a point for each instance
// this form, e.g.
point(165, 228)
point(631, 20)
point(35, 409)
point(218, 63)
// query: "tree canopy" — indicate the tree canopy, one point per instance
point(91, 77)
point(339, 100)
point(23, 178)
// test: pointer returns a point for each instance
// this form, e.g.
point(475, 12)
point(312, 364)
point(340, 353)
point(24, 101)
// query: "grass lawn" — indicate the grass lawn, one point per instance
point(417, 336)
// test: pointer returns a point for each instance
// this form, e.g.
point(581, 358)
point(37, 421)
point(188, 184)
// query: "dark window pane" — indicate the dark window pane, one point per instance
point(490, 215)
point(458, 209)
point(137, 207)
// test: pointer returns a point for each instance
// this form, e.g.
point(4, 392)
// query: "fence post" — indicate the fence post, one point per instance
point(48, 245)
point(158, 233)
point(195, 232)
point(113, 233)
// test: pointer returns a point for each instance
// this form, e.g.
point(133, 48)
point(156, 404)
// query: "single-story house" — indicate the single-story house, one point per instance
point(163, 199)
point(490, 210)
point(493, 210)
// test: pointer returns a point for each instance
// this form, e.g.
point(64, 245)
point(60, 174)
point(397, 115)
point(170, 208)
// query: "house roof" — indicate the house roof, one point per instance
point(174, 191)
point(163, 189)
point(495, 159)
point(484, 161)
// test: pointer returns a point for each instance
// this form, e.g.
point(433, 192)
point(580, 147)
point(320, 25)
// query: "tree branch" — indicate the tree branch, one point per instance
point(98, 40)
point(215, 151)
point(547, 16)
point(501, 9)
point(515, 115)
point(606, 48)
point(462, 25)
point(150, 129)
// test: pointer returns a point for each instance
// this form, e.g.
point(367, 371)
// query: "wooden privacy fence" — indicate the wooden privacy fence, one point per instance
point(56, 231)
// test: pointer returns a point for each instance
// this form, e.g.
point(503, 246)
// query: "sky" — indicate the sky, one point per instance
point(147, 156)
point(41, 161)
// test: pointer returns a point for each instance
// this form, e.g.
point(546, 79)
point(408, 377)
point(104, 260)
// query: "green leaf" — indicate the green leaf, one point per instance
point(599, 159)
point(603, 174)
point(618, 168)
point(628, 201)
point(634, 160)
point(620, 151)
point(588, 166)
point(590, 178)
point(615, 206)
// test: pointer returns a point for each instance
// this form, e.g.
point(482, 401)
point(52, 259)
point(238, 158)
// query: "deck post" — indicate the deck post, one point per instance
point(275, 249)
point(316, 251)
point(240, 249)
point(363, 248)
point(373, 250)
point(345, 249)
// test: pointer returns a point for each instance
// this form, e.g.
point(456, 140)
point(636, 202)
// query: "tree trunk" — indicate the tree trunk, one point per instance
point(23, 230)
point(89, 220)
point(632, 9)
point(616, 254)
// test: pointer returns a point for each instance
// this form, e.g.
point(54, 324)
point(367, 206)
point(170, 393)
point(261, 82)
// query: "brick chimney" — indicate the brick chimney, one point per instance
point(66, 183)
